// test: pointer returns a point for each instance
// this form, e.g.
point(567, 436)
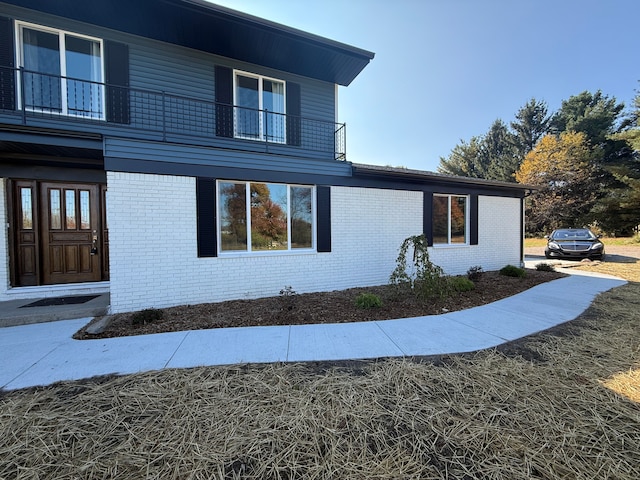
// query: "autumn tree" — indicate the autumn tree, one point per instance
point(268, 218)
point(561, 168)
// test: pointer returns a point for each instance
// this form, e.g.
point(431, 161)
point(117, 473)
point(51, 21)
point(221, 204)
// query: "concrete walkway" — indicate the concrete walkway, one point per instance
point(41, 354)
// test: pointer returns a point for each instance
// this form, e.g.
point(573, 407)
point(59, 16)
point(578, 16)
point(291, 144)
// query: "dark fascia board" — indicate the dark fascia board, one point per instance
point(421, 176)
point(221, 31)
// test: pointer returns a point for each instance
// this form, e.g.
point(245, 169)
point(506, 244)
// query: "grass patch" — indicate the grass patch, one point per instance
point(620, 241)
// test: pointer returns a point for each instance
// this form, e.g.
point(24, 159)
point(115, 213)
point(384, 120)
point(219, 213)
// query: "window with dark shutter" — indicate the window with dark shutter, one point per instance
point(116, 58)
point(427, 215)
point(323, 195)
point(473, 220)
point(206, 217)
point(7, 73)
point(224, 101)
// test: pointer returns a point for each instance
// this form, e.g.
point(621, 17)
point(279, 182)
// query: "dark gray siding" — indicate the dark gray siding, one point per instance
point(188, 155)
point(179, 72)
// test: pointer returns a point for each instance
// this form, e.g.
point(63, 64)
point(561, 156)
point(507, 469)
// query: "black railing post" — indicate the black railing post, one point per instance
point(266, 131)
point(164, 118)
point(344, 141)
point(21, 97)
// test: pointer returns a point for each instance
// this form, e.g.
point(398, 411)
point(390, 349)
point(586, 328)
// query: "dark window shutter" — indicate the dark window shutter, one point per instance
point(206, 217)
point(473, 221)
point(116, 60)
point(224, 101)
point(323, 212)
point(294, 109)
point(7, 58)
point(427, 217)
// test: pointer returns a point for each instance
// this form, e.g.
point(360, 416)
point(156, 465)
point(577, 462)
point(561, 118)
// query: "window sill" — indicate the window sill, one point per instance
point(266, 254)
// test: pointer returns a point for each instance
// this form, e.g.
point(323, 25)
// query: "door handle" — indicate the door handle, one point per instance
point(94, 245)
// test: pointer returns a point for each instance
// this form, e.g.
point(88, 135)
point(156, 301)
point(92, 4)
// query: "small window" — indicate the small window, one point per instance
point(264, 217)
point(450, 220)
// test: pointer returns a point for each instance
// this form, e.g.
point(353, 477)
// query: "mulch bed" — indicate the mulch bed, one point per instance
point(324, 307)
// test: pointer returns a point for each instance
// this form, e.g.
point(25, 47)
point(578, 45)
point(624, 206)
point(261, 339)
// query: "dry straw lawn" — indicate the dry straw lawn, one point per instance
point(560, 404)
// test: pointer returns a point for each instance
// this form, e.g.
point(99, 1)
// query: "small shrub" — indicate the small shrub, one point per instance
point(545, 267)
point(461, 284)
point(424, 278)
point(288, 298)
point(512, 271)
point(287, 292)
point(368, 300)
point(474, 273)
point(148, 315)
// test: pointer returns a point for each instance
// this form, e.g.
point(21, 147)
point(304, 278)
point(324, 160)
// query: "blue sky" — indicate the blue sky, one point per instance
point(444, 70)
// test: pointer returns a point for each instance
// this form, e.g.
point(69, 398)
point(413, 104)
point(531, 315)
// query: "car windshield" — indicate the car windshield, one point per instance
point(578, 234)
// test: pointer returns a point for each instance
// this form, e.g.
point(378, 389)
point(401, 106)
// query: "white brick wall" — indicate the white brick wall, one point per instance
point(153, 247)
point(4, 240)
point(498, 239)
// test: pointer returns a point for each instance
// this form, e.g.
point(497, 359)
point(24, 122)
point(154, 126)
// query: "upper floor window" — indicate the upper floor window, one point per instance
point(261, 217)
point(63, 72)
point(259, 107)
point(450, 215)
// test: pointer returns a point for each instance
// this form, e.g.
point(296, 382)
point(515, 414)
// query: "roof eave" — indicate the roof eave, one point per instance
point(422, 175)
point(218, 30)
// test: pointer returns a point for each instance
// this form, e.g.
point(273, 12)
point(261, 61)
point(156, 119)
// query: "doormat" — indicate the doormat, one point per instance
point(51, 302)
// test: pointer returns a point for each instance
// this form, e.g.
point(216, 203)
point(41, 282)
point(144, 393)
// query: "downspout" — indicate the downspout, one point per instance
point(527, 193)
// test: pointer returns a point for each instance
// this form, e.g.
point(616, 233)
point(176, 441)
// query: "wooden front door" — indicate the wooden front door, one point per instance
point(58, 233)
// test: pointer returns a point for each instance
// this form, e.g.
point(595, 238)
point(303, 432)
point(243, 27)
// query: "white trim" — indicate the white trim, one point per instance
point(19, 54)
point(467, 220)
point(249, 251)
point(260, 78)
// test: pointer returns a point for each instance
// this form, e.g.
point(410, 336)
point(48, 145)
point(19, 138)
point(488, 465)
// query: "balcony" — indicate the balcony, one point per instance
point(50, 101)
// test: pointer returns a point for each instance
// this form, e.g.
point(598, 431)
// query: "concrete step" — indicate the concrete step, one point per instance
point(16, 312)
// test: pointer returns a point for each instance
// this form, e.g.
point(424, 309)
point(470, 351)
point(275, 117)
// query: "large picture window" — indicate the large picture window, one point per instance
point(263, 217)
point(450, 219)
point(63, 72)
point(259, 108)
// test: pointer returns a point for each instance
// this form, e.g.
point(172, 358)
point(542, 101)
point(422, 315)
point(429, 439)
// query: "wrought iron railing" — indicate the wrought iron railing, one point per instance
point(38, 95)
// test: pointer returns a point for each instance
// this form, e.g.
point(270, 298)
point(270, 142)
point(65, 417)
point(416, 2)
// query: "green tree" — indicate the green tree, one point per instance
point(490, 156)
point(464, 160)
point(594, 114)
point(619, 208)
point(530, 125)
point(499, 154)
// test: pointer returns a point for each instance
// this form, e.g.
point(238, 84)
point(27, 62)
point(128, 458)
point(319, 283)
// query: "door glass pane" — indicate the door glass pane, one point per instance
point(301, 217)
point(27, 208)
point(233, 216)
point(273, 103)
point(85, 216)
point(54, 209)
point(269, 217)
point(458, 220)
point(84, 71)
point(70, 209)
point(440, 222)
point(247, 102)
point(41, 60)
